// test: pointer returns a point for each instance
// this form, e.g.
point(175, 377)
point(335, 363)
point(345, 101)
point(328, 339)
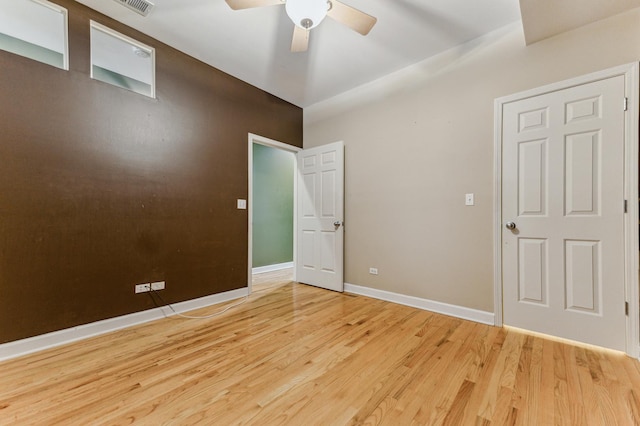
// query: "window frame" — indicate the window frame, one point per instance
point(65, 33)
point(129, 40)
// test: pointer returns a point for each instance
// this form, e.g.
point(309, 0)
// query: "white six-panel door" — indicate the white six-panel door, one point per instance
point(562, 195)
point(320, 215)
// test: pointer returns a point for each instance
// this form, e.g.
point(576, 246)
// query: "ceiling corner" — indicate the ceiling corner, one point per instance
point(542, 19)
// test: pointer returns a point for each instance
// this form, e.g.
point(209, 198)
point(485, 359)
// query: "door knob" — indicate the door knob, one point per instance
point(510, 225)
point(337, 223)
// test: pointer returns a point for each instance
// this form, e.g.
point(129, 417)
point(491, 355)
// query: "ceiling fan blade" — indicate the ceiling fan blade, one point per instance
point(300, 41)
point(352, 18)
point(248, 4)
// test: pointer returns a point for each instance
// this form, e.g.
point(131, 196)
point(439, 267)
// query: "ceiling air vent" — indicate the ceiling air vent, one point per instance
point(143, 7)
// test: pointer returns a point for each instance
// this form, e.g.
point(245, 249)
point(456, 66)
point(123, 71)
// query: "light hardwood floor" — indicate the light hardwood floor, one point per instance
point(297, 355)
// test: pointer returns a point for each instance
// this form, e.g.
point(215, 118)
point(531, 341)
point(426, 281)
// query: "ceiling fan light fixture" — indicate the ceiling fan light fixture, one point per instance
point(307, 14)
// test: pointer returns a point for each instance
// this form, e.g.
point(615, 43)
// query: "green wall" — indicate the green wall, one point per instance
point(273, 171)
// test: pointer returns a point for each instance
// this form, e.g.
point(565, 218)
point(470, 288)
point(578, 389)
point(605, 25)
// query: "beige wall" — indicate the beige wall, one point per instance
point(420, 139)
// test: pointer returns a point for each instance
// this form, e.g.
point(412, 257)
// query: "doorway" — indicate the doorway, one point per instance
point(318, 213)
point(270, 258)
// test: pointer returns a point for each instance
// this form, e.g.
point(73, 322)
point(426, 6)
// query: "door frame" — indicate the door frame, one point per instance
point(253, 138)
point(631, 164)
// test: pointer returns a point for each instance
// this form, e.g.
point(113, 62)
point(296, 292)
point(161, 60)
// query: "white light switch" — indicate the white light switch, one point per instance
point(242, 204)
point(468, 200)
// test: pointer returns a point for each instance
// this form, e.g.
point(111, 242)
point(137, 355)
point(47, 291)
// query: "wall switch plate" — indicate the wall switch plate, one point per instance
point(469, 200)
point(242, 204)
point(373, 271)
point(158, 285)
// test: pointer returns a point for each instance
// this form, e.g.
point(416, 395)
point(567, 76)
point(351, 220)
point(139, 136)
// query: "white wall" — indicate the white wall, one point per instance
point(418, 140)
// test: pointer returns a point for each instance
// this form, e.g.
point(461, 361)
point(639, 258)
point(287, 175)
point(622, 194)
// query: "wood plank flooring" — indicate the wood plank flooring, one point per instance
point(297, 355)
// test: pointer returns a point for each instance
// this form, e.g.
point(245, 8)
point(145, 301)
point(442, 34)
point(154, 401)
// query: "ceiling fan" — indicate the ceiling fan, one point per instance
point(307, 14)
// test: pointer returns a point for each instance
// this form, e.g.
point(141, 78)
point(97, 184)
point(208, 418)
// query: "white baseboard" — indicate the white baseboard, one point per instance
point(426, 304)
point(271, 268)
point(61, 337)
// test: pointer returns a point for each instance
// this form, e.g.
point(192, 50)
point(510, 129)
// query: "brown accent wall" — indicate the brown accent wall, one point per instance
point(101, 188)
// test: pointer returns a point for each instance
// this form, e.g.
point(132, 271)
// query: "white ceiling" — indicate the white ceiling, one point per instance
point(253, 44)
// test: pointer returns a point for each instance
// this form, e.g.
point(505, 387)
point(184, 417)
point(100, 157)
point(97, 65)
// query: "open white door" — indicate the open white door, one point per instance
point(320, 215)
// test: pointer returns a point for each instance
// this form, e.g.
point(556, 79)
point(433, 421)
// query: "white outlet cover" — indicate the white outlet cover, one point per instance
point(242, 204)
point(142, 288)
point(158, 285)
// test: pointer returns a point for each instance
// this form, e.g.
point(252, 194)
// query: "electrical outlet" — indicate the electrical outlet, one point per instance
point(158, 285)
point(373, 271)
point(143, 288)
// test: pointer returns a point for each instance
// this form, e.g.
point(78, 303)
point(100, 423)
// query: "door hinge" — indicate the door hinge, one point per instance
point(626, 206)
point(626, 104)
point(626, 308)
